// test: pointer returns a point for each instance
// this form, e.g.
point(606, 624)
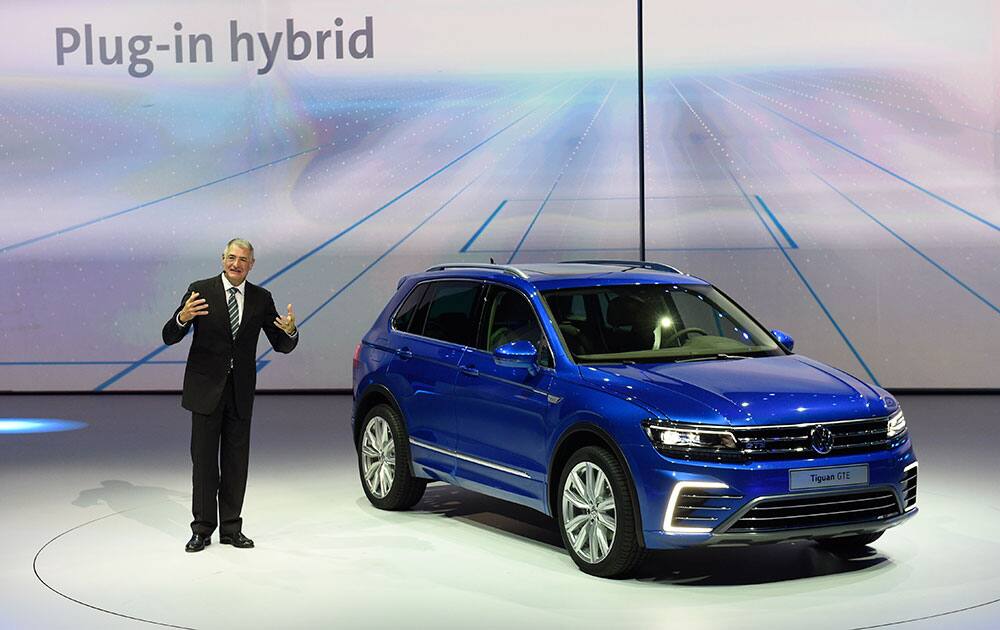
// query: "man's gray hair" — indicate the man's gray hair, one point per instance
point(242, 243)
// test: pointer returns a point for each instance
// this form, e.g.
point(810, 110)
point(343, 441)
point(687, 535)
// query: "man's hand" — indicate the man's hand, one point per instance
point(286, 323)
point(194, 307)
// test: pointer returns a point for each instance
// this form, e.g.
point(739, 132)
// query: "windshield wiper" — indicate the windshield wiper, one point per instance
point(712, 357)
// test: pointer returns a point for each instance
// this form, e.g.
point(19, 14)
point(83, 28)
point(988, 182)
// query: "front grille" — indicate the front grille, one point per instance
point(794, 441)
point(704, 507)
point(910, 487)
point(796, 512)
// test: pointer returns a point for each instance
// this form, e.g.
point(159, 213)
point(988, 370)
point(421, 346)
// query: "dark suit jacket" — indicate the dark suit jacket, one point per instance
point(213, 346)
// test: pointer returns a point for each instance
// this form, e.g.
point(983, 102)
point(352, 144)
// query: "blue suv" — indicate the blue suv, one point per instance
point(637, 405)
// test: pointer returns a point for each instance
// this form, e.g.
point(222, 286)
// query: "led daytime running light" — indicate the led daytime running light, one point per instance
point(896, 425)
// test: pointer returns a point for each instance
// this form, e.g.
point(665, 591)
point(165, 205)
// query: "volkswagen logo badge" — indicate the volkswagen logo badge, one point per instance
point(821, 439)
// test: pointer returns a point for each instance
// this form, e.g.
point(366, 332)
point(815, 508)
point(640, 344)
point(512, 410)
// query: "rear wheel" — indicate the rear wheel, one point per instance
point(596, 515)
point(848, 544)
point(384, 461)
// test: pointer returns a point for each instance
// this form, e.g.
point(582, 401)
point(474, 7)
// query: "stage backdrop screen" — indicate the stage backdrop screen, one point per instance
point(832, 168)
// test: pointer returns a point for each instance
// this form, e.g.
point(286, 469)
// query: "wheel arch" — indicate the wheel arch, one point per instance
point(572, 440)
point(374, 394)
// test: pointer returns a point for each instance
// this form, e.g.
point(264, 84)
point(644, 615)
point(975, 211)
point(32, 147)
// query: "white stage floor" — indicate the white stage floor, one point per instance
point(95, 520)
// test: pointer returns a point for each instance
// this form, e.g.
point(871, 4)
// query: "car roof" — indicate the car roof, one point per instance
point(550, 276)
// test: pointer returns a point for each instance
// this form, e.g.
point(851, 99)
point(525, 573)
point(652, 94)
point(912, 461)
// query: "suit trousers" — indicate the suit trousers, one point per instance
point(220, 453)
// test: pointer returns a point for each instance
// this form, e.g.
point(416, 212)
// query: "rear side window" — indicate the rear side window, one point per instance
point(404, 317)
point(450, 310)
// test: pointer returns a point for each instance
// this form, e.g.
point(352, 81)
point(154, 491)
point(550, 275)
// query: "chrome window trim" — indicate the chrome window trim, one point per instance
point(481, 282)
point(470, 458)
point(392, 318)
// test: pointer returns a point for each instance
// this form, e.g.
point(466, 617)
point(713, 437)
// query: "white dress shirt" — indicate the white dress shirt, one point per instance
point(226, 285)
point(239, 295)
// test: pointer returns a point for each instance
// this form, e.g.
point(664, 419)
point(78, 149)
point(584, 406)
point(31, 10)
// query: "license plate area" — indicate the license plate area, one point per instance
point(829, 477)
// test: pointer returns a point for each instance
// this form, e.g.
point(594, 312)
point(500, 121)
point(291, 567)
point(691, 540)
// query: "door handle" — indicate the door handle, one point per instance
point(470, 370)
point(404, 353)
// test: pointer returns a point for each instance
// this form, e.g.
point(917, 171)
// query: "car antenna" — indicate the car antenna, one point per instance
point(491, 261)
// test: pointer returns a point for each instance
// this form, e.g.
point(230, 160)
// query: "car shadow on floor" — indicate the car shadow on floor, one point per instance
point(731, 566)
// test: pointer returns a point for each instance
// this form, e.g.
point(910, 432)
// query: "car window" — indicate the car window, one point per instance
point(405, 314)
point(508, 316)
point(654, 323)
point(449, 309)
point(694, 311)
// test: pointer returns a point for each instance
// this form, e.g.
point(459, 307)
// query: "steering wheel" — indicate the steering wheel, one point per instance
point(678, 333)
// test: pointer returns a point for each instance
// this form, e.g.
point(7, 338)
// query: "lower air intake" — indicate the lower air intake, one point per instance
point(786, 513)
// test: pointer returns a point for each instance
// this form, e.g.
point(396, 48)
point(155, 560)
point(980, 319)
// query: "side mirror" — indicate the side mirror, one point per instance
point(784, 339)
point(516, 354)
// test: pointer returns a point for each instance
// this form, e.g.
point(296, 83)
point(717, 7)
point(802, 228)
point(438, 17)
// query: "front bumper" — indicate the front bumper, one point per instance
point(731, 492)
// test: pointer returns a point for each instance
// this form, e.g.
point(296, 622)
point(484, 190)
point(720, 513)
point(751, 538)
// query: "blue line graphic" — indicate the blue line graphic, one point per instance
point(933, 195)
point(913, 247)
point(750, 203)
point(73, 228)
point(482, 227)
point(130, 368)
point(300, 259)
point(261, 363)
point(634, 248)
point(129, 362)
point(791, 243)
point(177, 194)
point(371, 214)
point(809, 287)
point(534, 219)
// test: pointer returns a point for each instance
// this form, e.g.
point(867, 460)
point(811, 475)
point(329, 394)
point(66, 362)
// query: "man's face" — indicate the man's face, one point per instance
point(237, 263)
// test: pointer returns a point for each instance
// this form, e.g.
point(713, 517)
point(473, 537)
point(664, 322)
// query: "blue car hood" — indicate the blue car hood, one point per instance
point(744, 392)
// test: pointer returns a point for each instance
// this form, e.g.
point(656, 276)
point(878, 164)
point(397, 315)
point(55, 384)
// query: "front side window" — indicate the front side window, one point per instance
point(508, 316)
point(654, 323)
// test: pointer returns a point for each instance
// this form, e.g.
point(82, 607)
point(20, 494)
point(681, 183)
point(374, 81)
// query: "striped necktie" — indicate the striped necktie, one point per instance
point(234, 311)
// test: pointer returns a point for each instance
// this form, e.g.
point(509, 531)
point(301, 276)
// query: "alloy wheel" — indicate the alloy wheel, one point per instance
point(378, 453)
point(588, 509)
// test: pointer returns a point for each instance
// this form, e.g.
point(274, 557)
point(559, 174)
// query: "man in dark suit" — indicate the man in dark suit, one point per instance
point(227, 314)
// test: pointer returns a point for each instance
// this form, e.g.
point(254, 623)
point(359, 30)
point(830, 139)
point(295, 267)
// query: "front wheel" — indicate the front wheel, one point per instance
point(596, 515)
point(384, 461)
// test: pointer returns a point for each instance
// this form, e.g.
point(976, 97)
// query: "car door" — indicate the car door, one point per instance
point(502, 411)
point(431, 334)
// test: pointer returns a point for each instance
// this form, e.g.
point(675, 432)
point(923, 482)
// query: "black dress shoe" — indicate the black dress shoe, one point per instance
point(237, 540)
point(197, 543)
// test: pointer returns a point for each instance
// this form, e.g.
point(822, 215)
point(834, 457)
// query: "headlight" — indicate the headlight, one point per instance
point(896, 425)
point(694, 442)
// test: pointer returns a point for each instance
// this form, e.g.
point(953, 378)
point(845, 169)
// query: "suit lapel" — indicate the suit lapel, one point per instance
point(219, 289)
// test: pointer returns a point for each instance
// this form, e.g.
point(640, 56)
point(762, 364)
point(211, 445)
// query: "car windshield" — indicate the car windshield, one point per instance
point(655, 323)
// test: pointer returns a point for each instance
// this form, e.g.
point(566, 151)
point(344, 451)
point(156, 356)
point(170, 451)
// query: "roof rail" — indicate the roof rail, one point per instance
point(508, 269)
point(642, 264)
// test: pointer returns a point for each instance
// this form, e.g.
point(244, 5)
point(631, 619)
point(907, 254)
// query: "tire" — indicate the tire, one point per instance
point(384, 463)
point(598, 524)
point(848, 544)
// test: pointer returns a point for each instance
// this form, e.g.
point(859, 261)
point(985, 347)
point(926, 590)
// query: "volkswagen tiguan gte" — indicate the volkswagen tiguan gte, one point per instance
point(638, 406)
